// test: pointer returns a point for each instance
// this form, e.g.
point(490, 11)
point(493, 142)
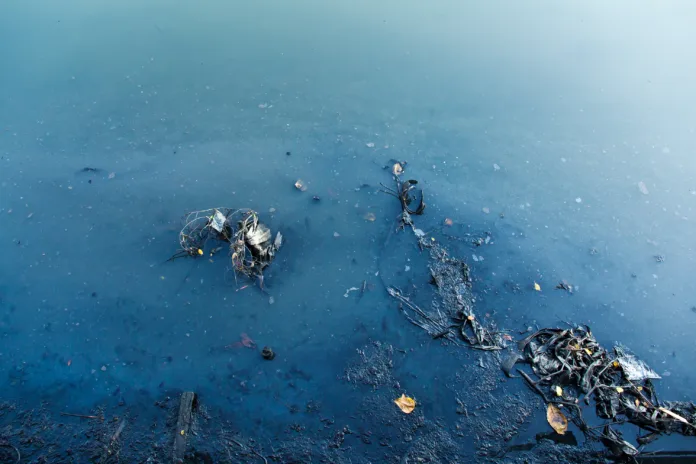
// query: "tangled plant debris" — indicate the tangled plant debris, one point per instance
point(570, 365)
point(452, 315)
point(250, 244)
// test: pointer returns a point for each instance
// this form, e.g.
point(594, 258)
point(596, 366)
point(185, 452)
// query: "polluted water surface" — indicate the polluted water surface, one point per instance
point(383, 217)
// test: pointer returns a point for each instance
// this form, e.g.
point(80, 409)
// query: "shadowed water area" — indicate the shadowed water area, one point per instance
point(566, 133)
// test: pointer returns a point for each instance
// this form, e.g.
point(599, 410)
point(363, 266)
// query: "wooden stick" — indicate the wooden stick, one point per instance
point(183, 425)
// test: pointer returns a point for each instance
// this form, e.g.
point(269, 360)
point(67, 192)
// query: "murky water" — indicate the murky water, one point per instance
point(569, 133)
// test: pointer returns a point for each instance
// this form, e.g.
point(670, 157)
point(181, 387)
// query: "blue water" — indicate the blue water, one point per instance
point(552, 115)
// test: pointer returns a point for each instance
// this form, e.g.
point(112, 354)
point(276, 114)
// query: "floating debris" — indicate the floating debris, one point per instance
point(267, 353)
point(620, 385)
point(370, 217)
point(406, 404)
point(351, 289)
point(496, 167)
point(486, 210)
point(564, 285)
point(300, 185)
point(250, 242)
point(643, 188)
point(370, 145)
point(397, 169)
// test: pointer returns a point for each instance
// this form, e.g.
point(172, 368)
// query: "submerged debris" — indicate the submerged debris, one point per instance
point(563, 285)
point(250, 242)
point(452, 317)
point(619, 384)
point(267, 353)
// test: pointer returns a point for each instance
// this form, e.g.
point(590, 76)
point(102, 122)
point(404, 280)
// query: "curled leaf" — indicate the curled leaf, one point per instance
point(556, 419)
point(406, 404)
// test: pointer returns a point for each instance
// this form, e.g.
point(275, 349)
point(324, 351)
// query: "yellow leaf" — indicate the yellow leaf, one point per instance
point(637, 403)
point(183, 432)
point(615, 364)
point(587, 350)
point(200, 252)
point(619, 389)
point(471, 317)
point(406, 404)
point(556, 419)
point(640, 389)
point(559, 391)
point(537, 287)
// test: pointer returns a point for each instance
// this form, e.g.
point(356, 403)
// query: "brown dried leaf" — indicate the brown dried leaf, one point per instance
point(406, 404)
point(556, 419)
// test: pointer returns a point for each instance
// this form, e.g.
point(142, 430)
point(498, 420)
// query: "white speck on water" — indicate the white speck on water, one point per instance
point(666, 374)
point(654, 276)
point(370, 145)
point(643, 188)
point(486, 210)
point(103, 368)
point(578, 200)
point(336, 234)
point(496, 167)
point(351, 289)
point(563, 160)
point(407, 268)
point(475, 258)
point(271, 300)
